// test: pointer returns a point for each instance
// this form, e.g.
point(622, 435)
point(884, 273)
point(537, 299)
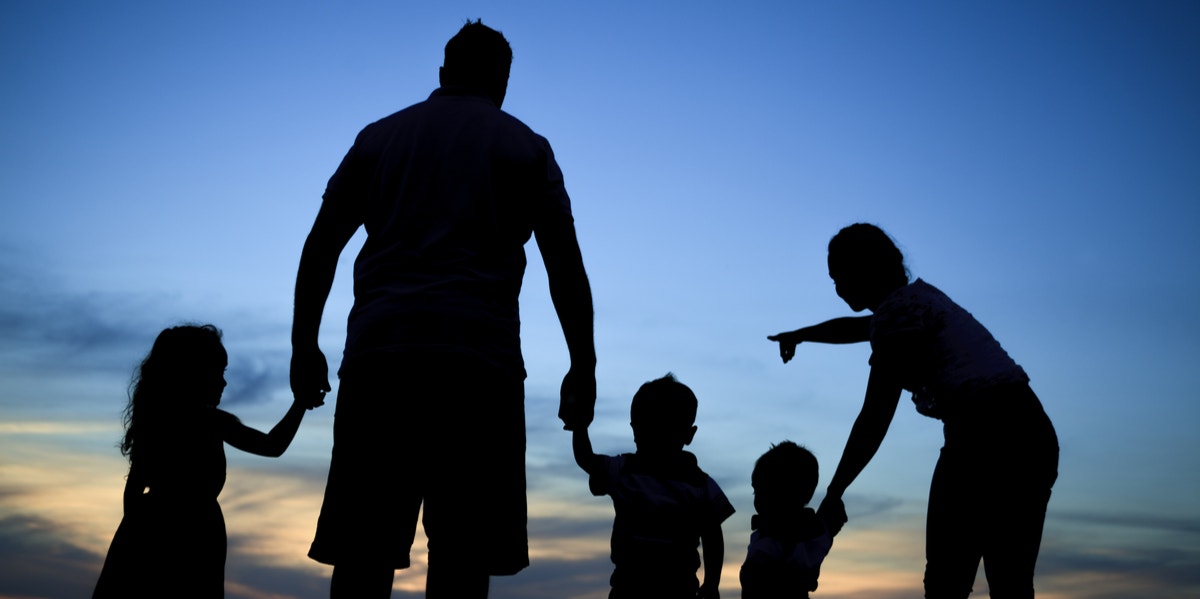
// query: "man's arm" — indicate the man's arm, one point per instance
point(572, 296)
point(330, 233)
point(848, 329)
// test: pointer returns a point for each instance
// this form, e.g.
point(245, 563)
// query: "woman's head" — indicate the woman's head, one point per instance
point(866, 265)
point(185, 369)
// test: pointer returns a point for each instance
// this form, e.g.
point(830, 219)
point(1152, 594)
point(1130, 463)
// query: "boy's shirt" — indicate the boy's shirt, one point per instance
point(661, 508)
point(784, 558)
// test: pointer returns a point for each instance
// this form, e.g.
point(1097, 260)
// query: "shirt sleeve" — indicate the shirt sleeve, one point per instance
point(601, 480)
point(721, 508)
point(900, 334)
point(348, 184)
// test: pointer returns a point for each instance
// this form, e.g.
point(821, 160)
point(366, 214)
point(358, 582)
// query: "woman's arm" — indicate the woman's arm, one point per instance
point(272, 444)
point(847, 329)
point(879, 406)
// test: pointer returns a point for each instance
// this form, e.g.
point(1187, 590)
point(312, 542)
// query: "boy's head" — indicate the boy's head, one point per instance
point(784, 479)
point(663, 415)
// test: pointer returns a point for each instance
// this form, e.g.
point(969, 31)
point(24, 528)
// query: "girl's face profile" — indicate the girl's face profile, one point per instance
point(210, 379)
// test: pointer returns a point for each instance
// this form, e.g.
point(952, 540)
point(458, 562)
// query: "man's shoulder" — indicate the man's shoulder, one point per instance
point(447, 109)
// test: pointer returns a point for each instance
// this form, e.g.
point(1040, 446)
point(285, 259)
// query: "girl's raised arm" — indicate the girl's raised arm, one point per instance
point(272, 444)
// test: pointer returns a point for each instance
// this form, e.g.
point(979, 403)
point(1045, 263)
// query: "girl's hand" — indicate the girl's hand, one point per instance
point(787, 344)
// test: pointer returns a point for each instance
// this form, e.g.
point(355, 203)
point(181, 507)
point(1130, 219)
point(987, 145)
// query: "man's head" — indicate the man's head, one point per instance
point(478, 59)
point(663, 415)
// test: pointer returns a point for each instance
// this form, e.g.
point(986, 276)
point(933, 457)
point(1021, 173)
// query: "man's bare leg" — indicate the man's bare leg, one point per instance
point(454, 581)
point(355, 581)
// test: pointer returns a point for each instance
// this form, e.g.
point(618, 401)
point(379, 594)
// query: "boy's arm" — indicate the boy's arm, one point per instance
point(272, 444)
point(713, 542)
point(847, 329)
point(581, 445)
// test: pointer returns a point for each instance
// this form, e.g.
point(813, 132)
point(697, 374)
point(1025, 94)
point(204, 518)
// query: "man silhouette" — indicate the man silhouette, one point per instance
point(430, 407)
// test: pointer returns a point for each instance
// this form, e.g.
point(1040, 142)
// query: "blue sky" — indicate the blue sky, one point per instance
point(1038, 161)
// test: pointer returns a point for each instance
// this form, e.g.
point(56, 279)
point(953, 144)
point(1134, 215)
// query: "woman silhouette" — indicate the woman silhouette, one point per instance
point(992, 481)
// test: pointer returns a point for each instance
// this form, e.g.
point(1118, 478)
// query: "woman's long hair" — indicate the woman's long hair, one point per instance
point(160, 386)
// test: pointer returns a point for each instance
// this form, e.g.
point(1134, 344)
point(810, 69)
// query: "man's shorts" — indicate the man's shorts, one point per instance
point(445, 431)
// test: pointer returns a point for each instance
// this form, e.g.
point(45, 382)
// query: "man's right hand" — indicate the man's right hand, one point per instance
point(309, 377)
point(577, 398)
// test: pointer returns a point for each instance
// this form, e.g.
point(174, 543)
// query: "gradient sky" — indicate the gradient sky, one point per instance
point(1038, 161)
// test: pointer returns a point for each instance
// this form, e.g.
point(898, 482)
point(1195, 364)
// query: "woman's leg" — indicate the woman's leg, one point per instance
point(1026, 474)
point(953, 528)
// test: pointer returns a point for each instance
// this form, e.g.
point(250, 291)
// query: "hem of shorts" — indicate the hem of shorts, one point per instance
point(330, 560)
point(508, 570)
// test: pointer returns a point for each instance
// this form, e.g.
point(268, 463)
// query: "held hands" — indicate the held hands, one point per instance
point(708, 591)
point(787, 344)
point(833, 512)
point(577, 398)
point(309, 378)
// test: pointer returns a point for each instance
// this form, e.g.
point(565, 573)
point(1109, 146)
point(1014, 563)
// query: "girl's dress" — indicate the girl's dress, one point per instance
point(171, 542)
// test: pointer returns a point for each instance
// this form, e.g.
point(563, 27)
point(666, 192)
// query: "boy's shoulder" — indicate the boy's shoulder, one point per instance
point(682, 467)
point(805, 526)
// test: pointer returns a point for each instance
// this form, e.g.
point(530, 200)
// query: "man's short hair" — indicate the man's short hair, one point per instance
point(477, 56)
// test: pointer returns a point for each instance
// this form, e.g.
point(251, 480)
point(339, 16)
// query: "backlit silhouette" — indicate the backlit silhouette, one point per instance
point(171, 541)
point(992, 482)
point(790, 540)
point(665, 504)
point(430, 410)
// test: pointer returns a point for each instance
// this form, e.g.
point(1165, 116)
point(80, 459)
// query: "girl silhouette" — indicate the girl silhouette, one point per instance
point(171, 540)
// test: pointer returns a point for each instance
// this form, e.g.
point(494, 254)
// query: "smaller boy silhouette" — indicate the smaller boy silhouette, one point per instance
point(666, 506)
point(790, 540)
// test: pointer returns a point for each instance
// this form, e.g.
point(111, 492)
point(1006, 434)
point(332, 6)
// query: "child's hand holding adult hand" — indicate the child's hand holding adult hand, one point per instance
point(833, 512)
point(708, 591)
point(309, 377)
point(577, 398)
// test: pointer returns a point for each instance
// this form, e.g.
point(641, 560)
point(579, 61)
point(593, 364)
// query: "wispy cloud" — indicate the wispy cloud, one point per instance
point(50, 329)
point(1132, 520)
point(36, 560)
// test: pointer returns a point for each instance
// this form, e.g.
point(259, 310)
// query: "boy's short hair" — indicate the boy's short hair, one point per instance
point(786, 474)
point(664, 403)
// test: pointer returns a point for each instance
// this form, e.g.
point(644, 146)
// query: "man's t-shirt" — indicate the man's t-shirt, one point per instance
point(449, 190)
